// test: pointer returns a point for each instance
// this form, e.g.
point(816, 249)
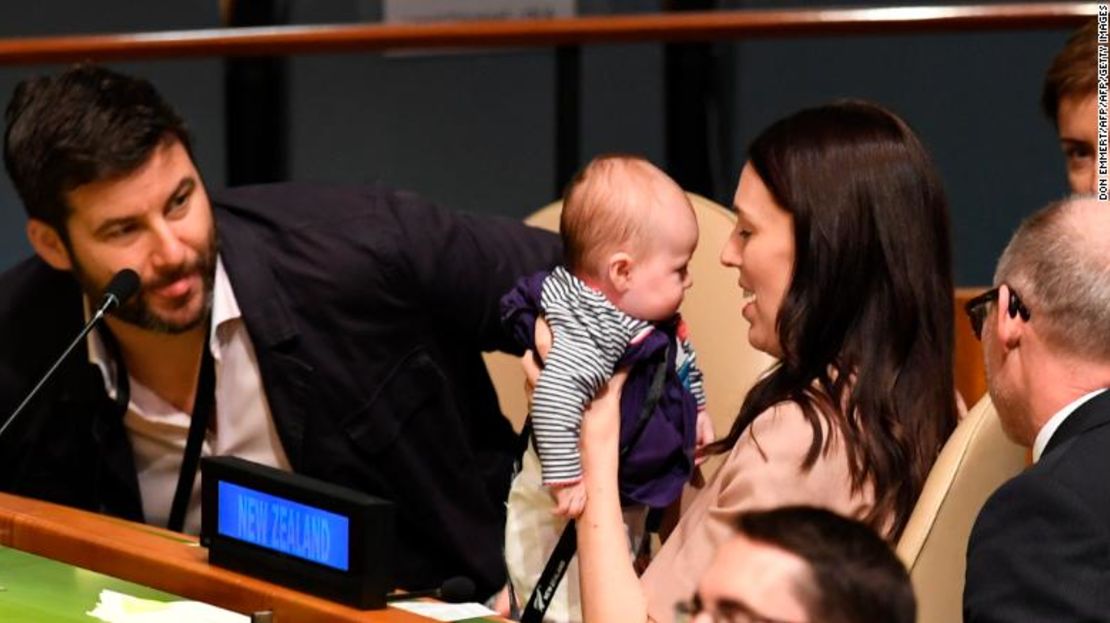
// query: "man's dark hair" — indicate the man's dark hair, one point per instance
point(1073, 72)
point(84, 125)
point(854, 575)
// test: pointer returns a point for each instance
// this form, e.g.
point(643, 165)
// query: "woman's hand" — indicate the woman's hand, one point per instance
point(601, 421)
point(532, 363)
point(542, 337)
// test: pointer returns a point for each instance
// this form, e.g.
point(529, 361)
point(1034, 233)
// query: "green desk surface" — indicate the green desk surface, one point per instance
point(34, 589)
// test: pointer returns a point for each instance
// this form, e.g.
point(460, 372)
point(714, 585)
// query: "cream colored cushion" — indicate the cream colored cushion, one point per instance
point(973, 463)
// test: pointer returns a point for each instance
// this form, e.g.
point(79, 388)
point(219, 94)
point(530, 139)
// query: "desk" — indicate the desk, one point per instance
point(39, 590)
point(156, 558)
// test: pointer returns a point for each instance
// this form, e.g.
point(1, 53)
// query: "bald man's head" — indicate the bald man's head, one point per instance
point(1059, 260)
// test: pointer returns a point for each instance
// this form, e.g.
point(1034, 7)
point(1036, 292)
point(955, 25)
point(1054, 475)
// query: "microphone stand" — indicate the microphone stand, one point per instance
point(110, 301)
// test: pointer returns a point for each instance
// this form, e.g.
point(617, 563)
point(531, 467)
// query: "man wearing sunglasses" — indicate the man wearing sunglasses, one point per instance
point(1040, 548)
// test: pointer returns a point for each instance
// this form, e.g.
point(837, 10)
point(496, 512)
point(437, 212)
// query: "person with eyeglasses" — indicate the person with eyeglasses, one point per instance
point(800, 564)
point(1040, 548)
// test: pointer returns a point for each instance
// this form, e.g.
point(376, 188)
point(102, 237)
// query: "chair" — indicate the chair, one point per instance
point(975, 461)
point(711, 309)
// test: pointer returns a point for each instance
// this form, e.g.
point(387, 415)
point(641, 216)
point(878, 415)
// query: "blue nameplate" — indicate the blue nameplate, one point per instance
point(315, 536)
point(283, 525)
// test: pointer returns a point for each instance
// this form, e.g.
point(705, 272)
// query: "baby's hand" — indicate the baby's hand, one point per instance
point(570, 499)
point(704, 435)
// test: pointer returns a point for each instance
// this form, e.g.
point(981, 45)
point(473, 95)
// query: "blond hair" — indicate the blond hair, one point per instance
point(602, 212)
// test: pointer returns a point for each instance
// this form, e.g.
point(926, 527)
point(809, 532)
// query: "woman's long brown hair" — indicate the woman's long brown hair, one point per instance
point(866, 324)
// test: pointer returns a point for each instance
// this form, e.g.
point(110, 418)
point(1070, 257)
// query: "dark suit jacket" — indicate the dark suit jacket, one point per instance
point(368, 310)
point(1040, 549)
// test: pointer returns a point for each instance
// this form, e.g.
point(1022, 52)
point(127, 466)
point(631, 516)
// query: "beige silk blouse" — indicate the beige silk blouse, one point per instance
point(763, 470)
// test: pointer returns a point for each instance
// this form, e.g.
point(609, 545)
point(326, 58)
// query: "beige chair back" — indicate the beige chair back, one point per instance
point(974, 462)
point(711, 309)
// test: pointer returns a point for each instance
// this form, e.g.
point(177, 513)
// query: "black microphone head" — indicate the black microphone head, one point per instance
point(457, 590)
point(123, 286)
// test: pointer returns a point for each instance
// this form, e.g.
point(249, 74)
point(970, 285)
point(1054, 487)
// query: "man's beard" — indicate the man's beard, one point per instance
point(137, 310)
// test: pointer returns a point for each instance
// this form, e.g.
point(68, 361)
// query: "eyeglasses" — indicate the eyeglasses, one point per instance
point(976, 308)
point(728, 611)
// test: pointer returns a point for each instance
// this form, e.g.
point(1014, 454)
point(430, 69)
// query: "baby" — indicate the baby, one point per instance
point(628, 233)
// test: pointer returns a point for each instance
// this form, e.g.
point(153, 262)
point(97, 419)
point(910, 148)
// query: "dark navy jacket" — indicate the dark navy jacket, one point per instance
point(368, 310)
point(1040, 548)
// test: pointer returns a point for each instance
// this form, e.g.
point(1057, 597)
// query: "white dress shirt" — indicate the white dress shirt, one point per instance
point(1054, 422)
point(158, 430)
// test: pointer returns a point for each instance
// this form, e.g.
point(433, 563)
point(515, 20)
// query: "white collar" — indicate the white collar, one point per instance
point(224, 309)
point(224, 306)
point(1053, 424)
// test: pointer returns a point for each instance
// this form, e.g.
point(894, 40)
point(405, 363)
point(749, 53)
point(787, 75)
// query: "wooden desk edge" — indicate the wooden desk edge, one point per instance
point(163, 560)
point(586, 29)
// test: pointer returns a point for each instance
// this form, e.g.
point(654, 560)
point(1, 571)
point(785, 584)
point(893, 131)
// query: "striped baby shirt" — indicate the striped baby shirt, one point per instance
point(590, 336)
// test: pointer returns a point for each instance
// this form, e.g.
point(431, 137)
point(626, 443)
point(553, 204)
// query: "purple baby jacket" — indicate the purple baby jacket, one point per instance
point(654, 470)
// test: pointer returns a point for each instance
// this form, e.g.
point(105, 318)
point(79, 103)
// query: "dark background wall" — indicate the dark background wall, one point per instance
point(476, 131)
point(194, 86)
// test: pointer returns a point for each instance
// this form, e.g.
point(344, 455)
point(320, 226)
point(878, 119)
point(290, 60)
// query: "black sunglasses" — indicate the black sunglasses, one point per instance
point(976, 309)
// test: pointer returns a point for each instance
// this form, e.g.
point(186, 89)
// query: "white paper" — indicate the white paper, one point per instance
point(115, 607)
point(444, 612)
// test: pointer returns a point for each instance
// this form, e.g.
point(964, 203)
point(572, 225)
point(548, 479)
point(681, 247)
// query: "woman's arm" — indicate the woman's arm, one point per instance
point(610, 589)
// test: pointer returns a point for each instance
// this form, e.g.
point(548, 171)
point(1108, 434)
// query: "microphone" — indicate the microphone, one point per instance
point(453, 590)
point(122, 286)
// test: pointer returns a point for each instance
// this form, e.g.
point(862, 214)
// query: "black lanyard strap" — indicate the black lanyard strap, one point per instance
point(203, 405)
point(552, 575)
point(567, 545)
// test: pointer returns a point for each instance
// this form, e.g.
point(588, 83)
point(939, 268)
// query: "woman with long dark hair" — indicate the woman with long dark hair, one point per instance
point(842, 248)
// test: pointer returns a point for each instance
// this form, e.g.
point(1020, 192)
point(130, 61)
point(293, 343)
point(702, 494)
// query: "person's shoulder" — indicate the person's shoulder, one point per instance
point(775, 462)
point(28, 270)
point(785, 434)
point(1037, 495)
point(1030, 533)
point(339, 225)
point(296, 204)
point(39, 303)
point(384, 212)
point(1079, 467)
point(781, 433)
point(785, 419)
point(1073, 459)
point(1088, 442)
point(32, 284)
point(1012, 493)
point(1032, 517)
point(1002, 523)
